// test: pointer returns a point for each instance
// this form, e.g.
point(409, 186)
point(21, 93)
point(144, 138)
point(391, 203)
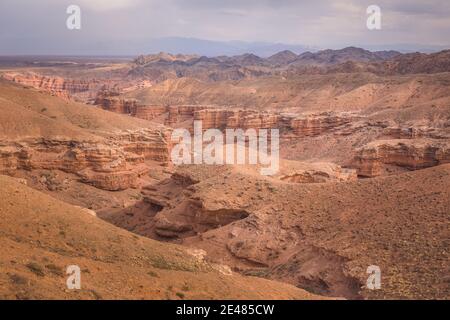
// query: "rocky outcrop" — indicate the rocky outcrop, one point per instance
point(152, 144)
point(334, 173)
point(149, 112)
point(117, 104)
point(178, 213)
point(234, 119)
point(113, 164)
point(182, 113)
point(191, 216)
point(414, 132)
point(169, 115)
point(57, 86)
point(317, 124)
point(213, 117)
point(103, 166)
point(374, 159)
point(290, 125)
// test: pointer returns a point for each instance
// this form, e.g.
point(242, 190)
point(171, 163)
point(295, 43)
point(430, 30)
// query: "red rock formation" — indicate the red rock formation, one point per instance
point(152, 144)
point(290, 125)
point(111, 101)
point(320, 176)
point(214, 118)
point(234, 118)
point(416, 132)
point(103, 166)
point(149, 112)
point(372, 160)
point(57, 86)
point(178, 114)
point(117, 104)
point(114, 164)
point(317, 124)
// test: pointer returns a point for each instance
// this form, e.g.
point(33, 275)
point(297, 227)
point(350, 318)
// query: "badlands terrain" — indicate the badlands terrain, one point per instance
point(364, 178)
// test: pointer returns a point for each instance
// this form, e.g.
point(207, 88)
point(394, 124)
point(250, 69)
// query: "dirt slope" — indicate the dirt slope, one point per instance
point(399, 223)
point(321, 237)
point(364, 92)
point(40, 236)
point(43, 115)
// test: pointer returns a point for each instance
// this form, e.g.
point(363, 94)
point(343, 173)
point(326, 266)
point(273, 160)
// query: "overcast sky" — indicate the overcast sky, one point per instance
point(126, 26)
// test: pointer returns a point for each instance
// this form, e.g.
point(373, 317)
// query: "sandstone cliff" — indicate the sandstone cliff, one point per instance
point(113, 164)
point(316, 124)
point(55, 85)
point(117, 104)
point(375, 158)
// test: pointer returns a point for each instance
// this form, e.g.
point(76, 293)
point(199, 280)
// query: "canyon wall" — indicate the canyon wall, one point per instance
point(114, 164)
point(117, 104)
point(372, 160)
point(149, 112)
point(152, 144)
point(317, 124)
point(236, 119)
point(213, 117)
point(57, 86)
point(414, 132)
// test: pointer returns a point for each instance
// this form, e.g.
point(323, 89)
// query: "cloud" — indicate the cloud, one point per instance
point(116, 26)
point(105, 5)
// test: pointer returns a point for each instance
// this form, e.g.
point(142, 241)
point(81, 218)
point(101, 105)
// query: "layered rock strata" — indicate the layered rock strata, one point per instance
point(57, 86)
point(152, 144)
point(113, 164)
point(317, 124)
point(117, 104)
point(372, 160)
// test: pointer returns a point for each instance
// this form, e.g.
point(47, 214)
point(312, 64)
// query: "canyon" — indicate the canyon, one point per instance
point(85, 157)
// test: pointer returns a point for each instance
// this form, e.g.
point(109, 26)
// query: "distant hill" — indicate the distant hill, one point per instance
point(282, 57)
point(419, 63)
point(163, 66)
point(285, 57)
point(333, 57)
point(212, 48)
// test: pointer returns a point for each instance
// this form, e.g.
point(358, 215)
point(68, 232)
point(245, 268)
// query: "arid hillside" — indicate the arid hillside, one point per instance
point(87, 177)
point(42, 236)
point(46, 116)
point(317, 235)
point(304, 93)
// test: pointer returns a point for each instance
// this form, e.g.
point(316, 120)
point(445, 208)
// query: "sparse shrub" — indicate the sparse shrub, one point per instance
point(260, 273)
point(35, 268)
point(17, 279)
point(161, 263)
point(180, 295)
point(97, 296)
point(55, 269)
point(153, 274)
point(185, 287)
